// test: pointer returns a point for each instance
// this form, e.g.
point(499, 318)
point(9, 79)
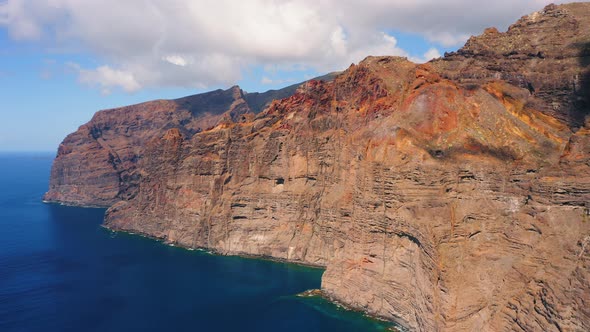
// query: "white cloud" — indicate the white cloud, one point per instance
point(432, 53)
point(338, 40)
point(202, 43)
point(107, 78)
point(176, 60)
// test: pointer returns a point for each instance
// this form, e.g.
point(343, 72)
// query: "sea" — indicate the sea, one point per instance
point(61, 271)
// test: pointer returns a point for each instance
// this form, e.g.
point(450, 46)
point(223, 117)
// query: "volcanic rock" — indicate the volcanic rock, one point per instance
point(448, 196)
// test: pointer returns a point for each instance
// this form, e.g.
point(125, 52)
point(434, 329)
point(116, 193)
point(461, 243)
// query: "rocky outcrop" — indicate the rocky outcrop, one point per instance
point(542, 52)
point(446, 196)
point(97, 165)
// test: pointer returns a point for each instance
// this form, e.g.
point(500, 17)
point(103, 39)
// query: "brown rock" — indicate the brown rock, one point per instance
point(448, 196)
point(546, 53)
point(96, 165)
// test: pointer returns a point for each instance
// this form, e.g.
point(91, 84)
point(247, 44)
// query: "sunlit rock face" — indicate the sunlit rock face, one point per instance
point(450, 196)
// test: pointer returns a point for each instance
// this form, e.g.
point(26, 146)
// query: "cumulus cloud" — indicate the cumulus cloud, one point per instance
point(432, 53)
point(107, 78)
point(203, 43)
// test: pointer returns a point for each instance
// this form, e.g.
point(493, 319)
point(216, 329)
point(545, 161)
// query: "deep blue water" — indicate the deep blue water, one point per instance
point(61, 271)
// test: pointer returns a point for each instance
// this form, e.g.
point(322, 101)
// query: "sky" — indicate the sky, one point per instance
point(63, 60)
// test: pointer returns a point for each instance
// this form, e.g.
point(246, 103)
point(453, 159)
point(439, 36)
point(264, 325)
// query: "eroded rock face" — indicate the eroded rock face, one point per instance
point(543, 52)
point(436, 198)
point(97, 165)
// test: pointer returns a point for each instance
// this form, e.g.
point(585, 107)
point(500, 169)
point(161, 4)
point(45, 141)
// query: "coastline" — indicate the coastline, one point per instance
point(395, 326)
point(213, 251)
point(63, 203)
point(318, 293)
point(209, 250)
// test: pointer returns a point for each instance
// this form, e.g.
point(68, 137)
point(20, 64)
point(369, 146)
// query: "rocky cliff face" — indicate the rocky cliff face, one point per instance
point(542, 52)
point(449, 196)
point(97, 165)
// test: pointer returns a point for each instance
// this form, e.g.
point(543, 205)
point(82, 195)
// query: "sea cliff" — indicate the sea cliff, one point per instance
point(447, 196)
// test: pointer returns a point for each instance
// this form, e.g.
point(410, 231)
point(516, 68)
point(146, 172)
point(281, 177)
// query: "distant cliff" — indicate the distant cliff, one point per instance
point(448, 196)
point(97, 165)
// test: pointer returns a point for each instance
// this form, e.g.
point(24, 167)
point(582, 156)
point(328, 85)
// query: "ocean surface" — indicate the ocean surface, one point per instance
point(61, 271)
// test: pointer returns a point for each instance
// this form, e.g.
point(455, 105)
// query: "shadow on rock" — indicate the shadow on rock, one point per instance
point(581, 95)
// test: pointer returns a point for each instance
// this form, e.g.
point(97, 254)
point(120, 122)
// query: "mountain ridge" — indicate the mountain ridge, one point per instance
point(128, 128)
point(447, 196)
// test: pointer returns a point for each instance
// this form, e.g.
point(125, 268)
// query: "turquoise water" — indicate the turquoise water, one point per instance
point(61, 271)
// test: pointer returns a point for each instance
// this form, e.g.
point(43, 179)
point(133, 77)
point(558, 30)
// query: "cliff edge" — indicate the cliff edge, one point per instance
point(448, 196)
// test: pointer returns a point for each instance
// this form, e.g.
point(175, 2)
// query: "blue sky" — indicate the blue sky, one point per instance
point(62, 60)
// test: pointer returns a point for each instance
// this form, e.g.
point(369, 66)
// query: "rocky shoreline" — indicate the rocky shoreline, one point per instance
point(446, 196)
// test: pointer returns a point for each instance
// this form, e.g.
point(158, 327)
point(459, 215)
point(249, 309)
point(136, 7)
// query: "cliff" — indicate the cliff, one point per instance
point(97, 164)
point(448, 196)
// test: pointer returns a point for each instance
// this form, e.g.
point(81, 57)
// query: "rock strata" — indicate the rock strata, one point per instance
point(97, 164)
point(447, 196)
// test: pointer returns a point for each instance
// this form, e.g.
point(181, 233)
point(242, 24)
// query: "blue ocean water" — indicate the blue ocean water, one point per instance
point(61, 271)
